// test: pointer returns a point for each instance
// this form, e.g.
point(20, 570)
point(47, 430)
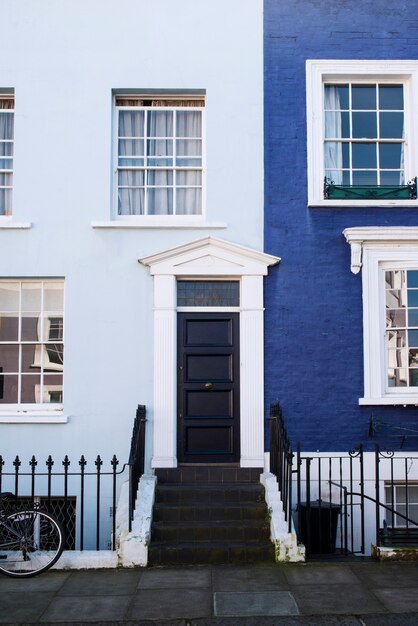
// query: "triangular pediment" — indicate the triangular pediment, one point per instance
point(210, 257)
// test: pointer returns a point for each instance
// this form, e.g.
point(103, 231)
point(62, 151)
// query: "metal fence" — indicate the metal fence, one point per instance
point(82, 494)
point(344, 503)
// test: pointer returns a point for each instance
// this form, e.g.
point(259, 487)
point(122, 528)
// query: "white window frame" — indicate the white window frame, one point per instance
point(320, 71)
point(157, 220)
point(40, 353)
point(399, 522)
point(376, 249)
point(8, 96)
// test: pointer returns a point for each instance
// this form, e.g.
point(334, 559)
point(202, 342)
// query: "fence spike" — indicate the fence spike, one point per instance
point(66, 462)
point(82, 462)
point(49, 462)
point(17, 462)
point(33, 462)
point(114, 462)
point(98, 462)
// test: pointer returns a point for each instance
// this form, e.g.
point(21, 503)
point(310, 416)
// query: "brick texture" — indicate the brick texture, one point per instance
point(313, 324)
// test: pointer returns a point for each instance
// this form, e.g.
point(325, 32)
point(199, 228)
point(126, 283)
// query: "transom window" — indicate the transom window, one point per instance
point(6, 153)
point(159, 156)
point(208, 293)
point(364, 133)
point(31, 342)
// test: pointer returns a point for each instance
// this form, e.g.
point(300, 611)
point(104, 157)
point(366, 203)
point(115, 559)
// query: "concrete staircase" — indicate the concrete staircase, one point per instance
point(210, 515)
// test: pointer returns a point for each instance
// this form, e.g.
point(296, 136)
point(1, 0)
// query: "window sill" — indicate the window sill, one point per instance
point(329, 204)
point(158, 222)
point(389, 400)
point(7, 222)
point(33, 417)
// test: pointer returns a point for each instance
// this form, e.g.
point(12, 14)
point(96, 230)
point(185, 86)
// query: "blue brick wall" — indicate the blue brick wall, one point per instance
point(313, 332)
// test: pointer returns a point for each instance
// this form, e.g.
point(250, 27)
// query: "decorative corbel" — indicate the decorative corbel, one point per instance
point(356, 249)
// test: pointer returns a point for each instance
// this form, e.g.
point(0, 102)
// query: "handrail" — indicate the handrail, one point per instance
point(378, 504)
point(136, 459)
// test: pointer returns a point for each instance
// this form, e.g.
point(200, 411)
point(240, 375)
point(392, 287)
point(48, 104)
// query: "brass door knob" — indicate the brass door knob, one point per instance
point(208, 385)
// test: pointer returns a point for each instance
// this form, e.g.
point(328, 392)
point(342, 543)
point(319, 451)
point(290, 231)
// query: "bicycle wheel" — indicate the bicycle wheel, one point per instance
point(31, 542)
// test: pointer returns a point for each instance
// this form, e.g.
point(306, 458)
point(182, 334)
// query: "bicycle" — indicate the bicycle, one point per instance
point(31, 540)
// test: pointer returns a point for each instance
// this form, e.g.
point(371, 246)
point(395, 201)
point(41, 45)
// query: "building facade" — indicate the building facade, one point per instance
point(341, 211)
point(131, 227)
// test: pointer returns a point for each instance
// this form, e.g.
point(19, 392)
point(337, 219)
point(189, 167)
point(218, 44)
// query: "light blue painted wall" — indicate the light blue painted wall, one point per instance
point(63, 59)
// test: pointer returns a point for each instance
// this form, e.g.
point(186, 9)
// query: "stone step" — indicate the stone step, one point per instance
point(209, 552)
point(204, 474)
point(208, 512)
point(190, 493)
point(211, 531)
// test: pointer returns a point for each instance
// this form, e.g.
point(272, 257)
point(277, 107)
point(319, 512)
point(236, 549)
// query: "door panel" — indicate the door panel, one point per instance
point(208, 387)
point(202, 367)
point(209, 440)
point(209, 403)
point(207, 332)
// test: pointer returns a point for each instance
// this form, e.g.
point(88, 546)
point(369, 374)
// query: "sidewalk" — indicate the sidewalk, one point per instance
point(347, 593)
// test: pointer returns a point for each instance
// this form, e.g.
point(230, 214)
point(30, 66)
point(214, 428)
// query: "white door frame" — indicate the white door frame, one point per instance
point(209, 258)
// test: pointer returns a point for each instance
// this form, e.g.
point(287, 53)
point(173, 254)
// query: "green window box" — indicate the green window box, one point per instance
point(370, 192)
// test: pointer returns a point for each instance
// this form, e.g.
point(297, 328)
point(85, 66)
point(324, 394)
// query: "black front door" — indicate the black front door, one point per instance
point(208, 387)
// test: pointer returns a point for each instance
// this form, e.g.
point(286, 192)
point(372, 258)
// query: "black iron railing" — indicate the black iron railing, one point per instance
point(340, 503)
point(136, 458)
point(81, 494)
point(281, 457)
point(90, 485)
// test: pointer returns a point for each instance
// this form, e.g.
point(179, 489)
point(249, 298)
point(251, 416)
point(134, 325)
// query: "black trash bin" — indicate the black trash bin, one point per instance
point(321, 519)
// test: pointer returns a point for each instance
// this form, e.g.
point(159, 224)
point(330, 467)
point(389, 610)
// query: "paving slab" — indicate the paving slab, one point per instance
point(390, 620)
point(308, 574)
point(254, 603)
point(386, 574)
point(23, 607)
point(399, 600)
point(170, 604)
point(288, 620)
point(251, 578)
point(332, 599)
point(283, 620)
point(101, 583)
point(86, 609)
point(175, 578)
point(50, 581)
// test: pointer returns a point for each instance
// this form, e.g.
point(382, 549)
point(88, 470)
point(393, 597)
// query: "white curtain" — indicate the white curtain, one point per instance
point(333, 151)
point(173, 140)
point(160, 128)
point(6, 162)
point(131, 149)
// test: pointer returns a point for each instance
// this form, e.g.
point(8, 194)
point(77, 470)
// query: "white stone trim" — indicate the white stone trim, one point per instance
point(285, 543)
point(209, 258)
point(252, 371)
point(87, 559)
point(33, 418)
point(147, 222)
point(318, 70)
point(7, 223)
point(373, 248)
point(165, 372)
point(133, 545)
